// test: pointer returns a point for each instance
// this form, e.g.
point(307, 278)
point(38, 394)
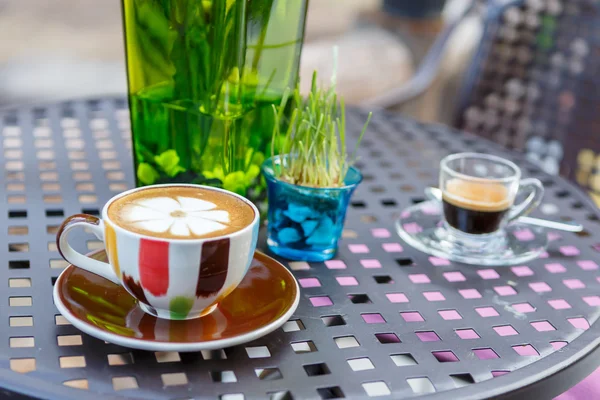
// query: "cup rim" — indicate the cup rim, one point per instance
point(269, 175)
point(240, 232)
point(483, 156)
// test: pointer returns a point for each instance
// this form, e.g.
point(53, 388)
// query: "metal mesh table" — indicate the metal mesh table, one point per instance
point(379, 319)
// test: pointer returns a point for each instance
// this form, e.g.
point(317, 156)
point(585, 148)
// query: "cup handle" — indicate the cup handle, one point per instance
point(68, 253)
point(536, 193)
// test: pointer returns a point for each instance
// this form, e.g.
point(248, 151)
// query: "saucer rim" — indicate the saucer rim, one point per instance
point(148, 345)
point(481, 262)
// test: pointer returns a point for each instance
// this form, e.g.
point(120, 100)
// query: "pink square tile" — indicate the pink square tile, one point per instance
point(587, 265)
point(347, 280)
point(524, 235)
point(428, 336)
point(540, 287)
point(392, 247)
point(370, 263)
point(439, 262)
point(558, 345)
point(543, 326)
point(309, 282)
point(523, 308)
point(397, 297)
point(544, 254)
point(579, 323)
point(470, 293)
point(380, 233)
point(373, 318)
point(522, 270)
point(593, 301)
point(358, 248)
point(485, 354)
point(434, 296)
point(505, 330)
point(505, 290)
point(454, 276)
point(430, 209)
point(419, 278)
point(525, 350)
point(299, 265)
point(449, 315)
point(496, 374)
point(321, 301)
point(405, 214)
point(387, 338)
point(488, 274)
point(335, 264)
point(412, 228)
point(412, 316)
point(569, 251)
point(559, 304)
point(445, 356)
point(487, 312)
point(574, 284)
point(552, 236)
point(467, 334)
point(555, 268)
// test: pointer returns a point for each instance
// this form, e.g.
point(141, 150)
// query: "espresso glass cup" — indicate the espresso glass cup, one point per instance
point(171, 278)
point(479, 192)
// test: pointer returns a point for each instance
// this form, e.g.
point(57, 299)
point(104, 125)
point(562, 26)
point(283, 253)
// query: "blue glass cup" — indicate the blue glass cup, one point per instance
point(305, 223)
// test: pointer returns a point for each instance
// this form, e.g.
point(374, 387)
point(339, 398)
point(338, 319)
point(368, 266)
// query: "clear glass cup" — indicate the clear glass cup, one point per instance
point(479, 192)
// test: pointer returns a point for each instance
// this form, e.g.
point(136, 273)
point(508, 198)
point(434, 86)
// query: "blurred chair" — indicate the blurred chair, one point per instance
point(532, 85)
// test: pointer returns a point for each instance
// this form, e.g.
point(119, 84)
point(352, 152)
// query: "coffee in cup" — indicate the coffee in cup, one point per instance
point(182, 212)
point(475, 207)
point(479, 190)
point(178, 249)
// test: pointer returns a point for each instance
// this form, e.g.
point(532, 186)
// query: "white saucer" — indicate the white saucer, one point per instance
point(422, 227)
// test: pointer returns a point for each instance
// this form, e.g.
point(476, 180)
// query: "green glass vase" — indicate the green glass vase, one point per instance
point(202, 78)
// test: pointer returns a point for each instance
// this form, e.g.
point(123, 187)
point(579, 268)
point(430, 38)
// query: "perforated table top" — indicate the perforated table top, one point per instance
point(381, 319)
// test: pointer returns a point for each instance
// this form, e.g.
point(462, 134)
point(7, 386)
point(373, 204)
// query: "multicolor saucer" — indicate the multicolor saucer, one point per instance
point(422, 226)
point(265, 299)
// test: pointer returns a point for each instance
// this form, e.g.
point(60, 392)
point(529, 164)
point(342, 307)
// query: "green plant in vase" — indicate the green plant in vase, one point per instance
point(310, 177)
point(203, 75)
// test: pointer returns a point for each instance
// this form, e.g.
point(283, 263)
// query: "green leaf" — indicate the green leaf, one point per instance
point(169, 162)
point(217, 173)
point(168, 159)
point(252, 173)
point(147, 174)
point(258, 158)
point(235, 182)
point(175, 170)
point(234, 76)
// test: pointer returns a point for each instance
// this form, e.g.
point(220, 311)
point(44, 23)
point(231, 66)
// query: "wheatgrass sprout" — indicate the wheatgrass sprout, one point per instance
point(315, 139)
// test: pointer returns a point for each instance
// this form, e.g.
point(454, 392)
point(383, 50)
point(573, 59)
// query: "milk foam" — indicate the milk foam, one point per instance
point(180, 216)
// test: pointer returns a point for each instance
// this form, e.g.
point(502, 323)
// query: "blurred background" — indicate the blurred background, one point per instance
point(537, 70)
point(529, 90)
point(64, 49)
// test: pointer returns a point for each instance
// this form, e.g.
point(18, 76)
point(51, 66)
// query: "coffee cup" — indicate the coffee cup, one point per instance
point(178, 249)
point(479, 191)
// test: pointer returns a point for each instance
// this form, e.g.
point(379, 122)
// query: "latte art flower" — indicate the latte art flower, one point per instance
point(180, 216)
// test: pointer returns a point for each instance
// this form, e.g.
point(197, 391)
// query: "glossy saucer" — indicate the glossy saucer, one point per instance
point(265, 299)
point(422, 227)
